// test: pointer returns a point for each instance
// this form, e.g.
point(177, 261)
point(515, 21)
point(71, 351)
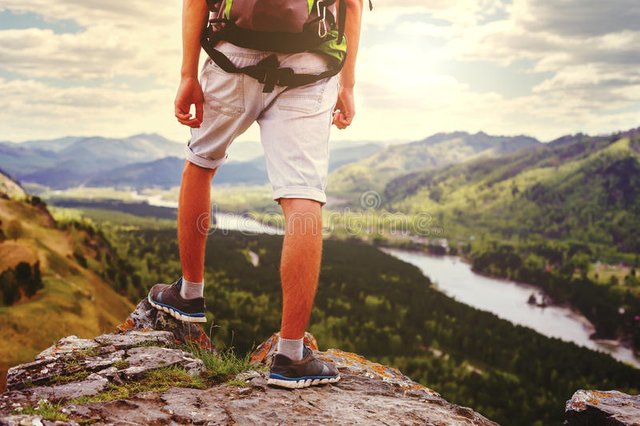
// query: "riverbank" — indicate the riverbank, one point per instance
point(508, 299)
point(612, 317)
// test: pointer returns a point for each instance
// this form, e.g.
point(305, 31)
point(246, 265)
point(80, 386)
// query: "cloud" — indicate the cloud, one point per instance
point(30, 109)
point(117, 72)
point(119, 38)
point(582, 18)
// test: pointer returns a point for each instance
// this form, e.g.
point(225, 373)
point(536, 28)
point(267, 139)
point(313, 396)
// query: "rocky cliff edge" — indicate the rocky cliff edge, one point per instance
point(152, 371)
point(155, 370)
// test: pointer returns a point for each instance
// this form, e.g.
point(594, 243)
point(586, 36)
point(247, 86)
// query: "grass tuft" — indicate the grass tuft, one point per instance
point(240, 383)
point(68, 378)
point(121, 364)
point(45, 409)
point(154, 381)
point(221, 366)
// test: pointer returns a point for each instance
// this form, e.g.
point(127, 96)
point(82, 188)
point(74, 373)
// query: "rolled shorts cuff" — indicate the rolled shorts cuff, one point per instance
point(307, 192)
point(202, 161)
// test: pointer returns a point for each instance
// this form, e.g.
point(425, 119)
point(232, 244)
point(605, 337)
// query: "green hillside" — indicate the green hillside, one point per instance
point(442, 149)
point(564, 216)
point(50, 280)
point(580, 188)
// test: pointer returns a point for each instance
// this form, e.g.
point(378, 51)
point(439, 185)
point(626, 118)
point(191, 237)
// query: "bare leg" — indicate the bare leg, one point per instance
point(194, 215)
point(300, 263)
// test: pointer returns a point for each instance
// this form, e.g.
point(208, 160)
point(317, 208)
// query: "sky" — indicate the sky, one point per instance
point(544, 68)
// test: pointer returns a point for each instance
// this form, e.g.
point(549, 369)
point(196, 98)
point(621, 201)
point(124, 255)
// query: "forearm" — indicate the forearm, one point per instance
point(352, 32)
point(194, 16)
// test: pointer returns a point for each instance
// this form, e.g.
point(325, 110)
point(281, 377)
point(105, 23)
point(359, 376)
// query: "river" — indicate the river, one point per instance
point(508, 300)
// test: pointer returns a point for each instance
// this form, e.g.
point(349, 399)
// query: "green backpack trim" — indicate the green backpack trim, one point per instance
point(229, 3)
point(336, 51)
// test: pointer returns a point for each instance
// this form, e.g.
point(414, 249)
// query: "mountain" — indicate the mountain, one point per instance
point(72, 161)
point(10, 188)
point(350, 154)
point(19, 160)
point(164, 172)
point(50, 278)
point(167, 172)
point(54, 145)
point(439, 150)
point(576, 187)
point(139, 161)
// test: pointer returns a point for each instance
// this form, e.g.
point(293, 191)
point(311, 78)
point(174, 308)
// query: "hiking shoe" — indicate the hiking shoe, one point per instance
point(166, 298)
point(309, 371)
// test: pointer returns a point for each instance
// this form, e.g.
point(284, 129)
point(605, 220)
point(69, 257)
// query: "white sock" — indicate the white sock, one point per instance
point(291, 348)
point(191, 290)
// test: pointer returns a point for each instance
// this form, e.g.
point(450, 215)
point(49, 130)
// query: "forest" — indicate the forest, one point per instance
point(24, 280)
point(375, 305)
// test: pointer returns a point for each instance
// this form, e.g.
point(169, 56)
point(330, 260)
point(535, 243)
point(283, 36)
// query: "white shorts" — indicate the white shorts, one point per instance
point(294, 122)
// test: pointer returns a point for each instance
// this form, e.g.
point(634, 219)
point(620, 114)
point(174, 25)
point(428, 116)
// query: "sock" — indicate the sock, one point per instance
point(291, 348)
point(190, 290)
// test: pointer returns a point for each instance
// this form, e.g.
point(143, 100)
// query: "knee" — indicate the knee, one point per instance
point(300, 205)
point(193, 170)
point(302, 216)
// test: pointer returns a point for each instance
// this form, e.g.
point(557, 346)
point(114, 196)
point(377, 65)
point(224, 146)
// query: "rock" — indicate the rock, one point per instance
point(146, 318)
point(20, 420)
point(92, 385)
point(263, 354)
point(368, 393)
point(144, 359)
point(137, 338)
point(594, 407)
point(67, 345)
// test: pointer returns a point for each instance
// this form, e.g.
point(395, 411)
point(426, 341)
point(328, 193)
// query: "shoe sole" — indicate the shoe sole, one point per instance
point(299, 384)
point(175, 314)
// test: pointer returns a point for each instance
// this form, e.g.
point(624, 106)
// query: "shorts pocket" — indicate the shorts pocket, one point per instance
point(305, 99)
point(223, 91)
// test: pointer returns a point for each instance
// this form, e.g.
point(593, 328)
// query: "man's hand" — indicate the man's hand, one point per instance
point(345, 108)
point(189, 93)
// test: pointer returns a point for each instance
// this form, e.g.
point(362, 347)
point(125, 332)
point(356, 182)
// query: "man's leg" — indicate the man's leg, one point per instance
point(299, 270)
point(194, 215)
point(295, 366)
point(184, 299)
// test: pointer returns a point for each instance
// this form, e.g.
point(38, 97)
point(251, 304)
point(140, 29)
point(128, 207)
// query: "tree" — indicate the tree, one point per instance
point(14, 229)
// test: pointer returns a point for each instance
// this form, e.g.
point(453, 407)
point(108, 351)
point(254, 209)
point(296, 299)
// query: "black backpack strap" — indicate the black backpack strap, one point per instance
point(342, 19)
point(267, 71)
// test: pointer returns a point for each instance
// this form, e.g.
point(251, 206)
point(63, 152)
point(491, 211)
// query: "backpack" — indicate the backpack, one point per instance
point(283, 26)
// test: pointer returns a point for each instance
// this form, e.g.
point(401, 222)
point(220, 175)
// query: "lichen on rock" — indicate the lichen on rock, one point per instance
point(596, 407)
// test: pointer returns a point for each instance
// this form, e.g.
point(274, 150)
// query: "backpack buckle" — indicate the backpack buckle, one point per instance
point(269, 73)
point(272, 77)
point(284, 75)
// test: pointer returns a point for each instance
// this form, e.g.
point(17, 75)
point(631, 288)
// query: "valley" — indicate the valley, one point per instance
point(558, 215)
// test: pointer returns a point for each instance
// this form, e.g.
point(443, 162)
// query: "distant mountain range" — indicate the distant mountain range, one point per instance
point(72, 161)
point(140, 161)
point(439, 150)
